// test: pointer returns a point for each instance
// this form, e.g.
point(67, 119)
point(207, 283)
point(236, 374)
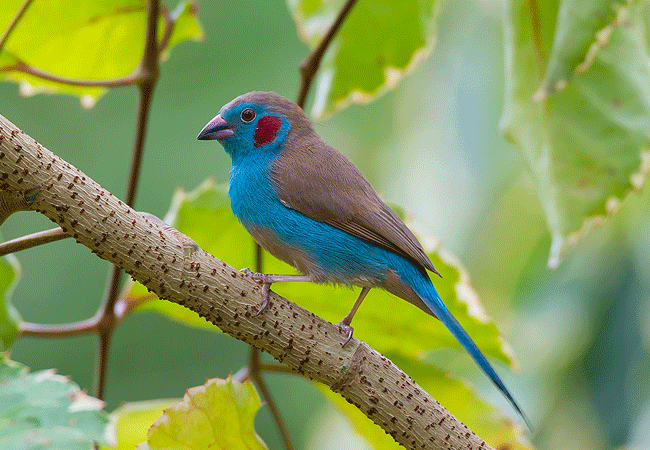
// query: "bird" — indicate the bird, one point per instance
point(307, 204)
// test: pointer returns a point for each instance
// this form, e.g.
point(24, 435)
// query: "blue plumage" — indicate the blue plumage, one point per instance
point(308, 205)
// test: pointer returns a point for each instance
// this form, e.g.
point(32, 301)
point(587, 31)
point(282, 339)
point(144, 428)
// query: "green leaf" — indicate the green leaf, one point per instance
point(217, 415)
point(379, 42)
point(98, 40)
point(9, 316)
point(587, 145)
point(45, 410)
point(480, 417)
point(133, 420)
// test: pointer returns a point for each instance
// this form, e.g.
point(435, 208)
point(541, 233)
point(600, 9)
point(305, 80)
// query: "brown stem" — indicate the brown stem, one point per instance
point(59, 330)
point(13, 23)
point(279, 368)
point(309, 66)
point(115, 82)
point(32, 240)
point(256, 376)
point(148, 71)
point(167, 32)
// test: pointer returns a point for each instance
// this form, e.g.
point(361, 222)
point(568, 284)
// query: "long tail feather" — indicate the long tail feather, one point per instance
point(434, 302)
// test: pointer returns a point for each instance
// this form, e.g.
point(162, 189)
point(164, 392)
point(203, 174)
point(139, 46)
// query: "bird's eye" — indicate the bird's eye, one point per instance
point(247, 115)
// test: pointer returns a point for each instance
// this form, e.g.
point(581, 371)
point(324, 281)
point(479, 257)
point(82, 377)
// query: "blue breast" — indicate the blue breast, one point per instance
point(338, 256)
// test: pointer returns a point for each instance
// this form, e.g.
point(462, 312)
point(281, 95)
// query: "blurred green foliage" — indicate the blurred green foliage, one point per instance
point(44, 409)
point(581, 332)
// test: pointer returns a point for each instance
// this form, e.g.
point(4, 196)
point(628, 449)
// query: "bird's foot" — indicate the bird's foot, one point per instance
point(266, 282)
point(346, 328)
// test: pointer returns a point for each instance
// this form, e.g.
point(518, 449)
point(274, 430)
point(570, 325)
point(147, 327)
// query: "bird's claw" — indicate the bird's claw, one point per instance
point(346, 329)
point(266, 288)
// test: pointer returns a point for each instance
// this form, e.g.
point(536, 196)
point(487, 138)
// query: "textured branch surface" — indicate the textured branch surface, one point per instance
point(161, 260)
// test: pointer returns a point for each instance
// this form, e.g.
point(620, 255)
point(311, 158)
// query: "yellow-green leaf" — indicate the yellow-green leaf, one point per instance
point(9, 316)
point(97, 40)
point(218, 415)
point(133, 420)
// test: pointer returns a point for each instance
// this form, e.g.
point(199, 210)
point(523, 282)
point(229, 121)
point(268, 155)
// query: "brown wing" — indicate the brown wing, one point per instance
point(320, 182)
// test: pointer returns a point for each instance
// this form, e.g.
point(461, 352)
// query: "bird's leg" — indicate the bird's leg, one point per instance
point(345, 323)
point(267, 281)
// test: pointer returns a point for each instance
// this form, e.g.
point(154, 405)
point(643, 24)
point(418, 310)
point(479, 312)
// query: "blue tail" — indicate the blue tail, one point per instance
point(434, 302)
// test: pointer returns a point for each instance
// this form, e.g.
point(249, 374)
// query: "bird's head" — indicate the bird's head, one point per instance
point(255, 123)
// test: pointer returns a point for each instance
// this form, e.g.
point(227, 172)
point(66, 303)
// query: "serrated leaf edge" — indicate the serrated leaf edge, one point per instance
point(392, 77)
point(637, 180)
point(602, 38)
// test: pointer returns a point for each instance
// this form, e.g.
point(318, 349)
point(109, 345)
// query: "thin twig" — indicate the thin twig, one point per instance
point(279, 368)
point(169, 27)
point(13, 23)
point(309, 66)
point(59, 330)
point(105, 326)
point(32, 240)
point(148, 75)
point(256, 376)
point(109, 83)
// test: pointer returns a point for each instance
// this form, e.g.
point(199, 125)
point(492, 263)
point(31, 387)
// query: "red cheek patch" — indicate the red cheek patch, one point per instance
point(267, 128)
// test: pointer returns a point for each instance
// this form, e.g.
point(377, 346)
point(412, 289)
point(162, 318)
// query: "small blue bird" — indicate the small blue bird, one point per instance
point(308, 205)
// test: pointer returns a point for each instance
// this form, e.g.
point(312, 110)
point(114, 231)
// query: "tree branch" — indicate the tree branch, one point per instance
point(157, 258)
point(309, 66)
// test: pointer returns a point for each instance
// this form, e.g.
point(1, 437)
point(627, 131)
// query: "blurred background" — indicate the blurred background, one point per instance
point(581, 333)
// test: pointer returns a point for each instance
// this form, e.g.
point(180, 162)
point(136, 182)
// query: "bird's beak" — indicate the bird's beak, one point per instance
point(217, 128)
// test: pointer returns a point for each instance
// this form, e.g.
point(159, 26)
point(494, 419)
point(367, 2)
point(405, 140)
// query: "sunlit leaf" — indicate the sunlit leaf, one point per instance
point(218, 415)
point(133, 420)
point(45, 410)
point(587, 145)
point(9, 316)
point(379, 42)
point(98, 40)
